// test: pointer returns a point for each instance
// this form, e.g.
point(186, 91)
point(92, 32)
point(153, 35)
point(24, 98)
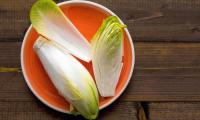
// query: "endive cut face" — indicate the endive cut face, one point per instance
point(107, 48)
point(70, 77)
point(49, 21)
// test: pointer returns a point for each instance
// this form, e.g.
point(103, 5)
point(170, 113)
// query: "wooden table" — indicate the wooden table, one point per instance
point(166, 81)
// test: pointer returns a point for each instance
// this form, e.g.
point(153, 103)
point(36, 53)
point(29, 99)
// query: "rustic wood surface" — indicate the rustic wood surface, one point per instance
point(174, 111)
point(166, 36)
point(35, 110)
point(163, 72)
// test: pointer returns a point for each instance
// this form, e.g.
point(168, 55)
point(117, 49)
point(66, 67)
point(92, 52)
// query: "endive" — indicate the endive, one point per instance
point(107, 46)
point(49, 21)
point(70, 77)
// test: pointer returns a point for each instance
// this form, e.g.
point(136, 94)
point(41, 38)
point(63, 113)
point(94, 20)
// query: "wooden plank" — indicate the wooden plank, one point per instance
point(10, 54)
point(38, 111)
point(14, 19)
point(163, 72)
point(16, 101)
point(119, 111)
point(13, 88)
point(180, 20)
point(174, 111)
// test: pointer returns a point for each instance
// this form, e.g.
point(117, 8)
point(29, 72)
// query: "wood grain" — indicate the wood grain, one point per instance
point(14, 89)
point(163, 72)
point(166, 35)
point(174, 111)
point(14, 19)
point(10, 54)
point(38, 111)
point(18, 102)
point(180, 19)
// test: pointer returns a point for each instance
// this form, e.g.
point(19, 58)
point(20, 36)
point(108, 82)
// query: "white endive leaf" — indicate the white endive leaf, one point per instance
point(107, 46)
point(49, 21)
point(70, 77)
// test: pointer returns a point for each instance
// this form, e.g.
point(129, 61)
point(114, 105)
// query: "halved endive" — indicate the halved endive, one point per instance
point(70, 77)
point(50, 22)
point(107, 48)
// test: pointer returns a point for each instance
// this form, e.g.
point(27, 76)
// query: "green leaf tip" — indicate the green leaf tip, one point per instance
point(37, 10)
point(111, 30)
point(49, 21)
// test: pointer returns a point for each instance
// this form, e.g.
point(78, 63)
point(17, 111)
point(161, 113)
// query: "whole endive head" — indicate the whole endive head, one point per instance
point(70, 77)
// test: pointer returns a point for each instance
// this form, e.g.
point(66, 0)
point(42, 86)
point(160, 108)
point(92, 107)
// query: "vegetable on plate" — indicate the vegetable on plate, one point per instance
point(70, 77)
point(107, 49)
point(50, 22)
